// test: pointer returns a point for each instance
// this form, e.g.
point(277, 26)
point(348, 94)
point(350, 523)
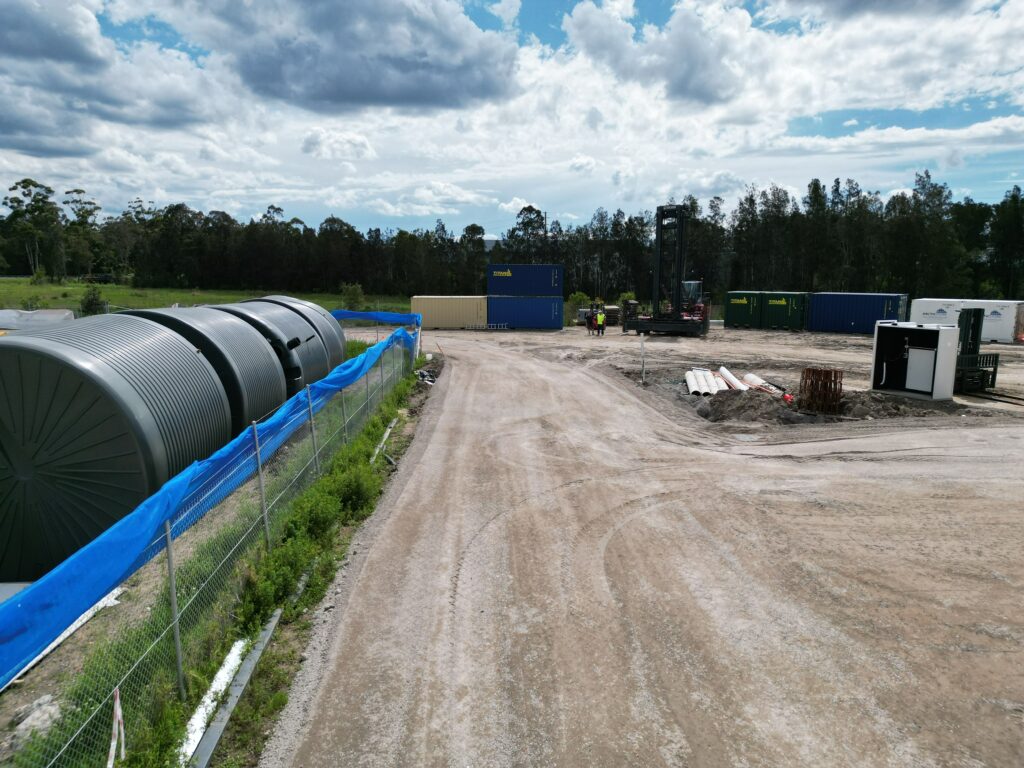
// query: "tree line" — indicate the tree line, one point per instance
point(838, 238)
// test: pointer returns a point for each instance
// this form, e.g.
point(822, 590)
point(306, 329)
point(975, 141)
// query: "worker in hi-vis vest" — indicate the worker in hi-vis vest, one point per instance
point(600, 322)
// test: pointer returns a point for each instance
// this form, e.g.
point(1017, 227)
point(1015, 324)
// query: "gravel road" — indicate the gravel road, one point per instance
point(570, 570)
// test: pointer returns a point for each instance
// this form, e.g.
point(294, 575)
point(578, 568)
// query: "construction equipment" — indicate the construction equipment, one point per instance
point(679, 307)
point(975, 372)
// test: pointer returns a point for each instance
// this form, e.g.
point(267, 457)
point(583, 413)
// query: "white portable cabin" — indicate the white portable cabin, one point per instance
point(1004, 320)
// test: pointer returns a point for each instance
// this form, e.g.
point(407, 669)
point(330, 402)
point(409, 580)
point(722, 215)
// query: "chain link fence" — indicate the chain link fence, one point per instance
point(184, 596)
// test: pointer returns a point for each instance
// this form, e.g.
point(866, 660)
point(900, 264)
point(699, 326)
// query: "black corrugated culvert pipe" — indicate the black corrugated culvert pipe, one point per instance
point(246, 364)
point(326, 327)
point(302, 354)
point(95, 415)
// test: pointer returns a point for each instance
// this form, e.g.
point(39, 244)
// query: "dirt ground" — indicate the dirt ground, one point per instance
point(570, 568)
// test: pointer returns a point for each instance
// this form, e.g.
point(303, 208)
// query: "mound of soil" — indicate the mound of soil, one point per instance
point(753, 405)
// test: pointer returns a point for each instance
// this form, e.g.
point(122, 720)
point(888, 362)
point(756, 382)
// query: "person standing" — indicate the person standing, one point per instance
point(600, 321)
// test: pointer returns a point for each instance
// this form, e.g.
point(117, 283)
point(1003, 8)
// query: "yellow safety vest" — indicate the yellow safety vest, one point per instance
point(600, 318)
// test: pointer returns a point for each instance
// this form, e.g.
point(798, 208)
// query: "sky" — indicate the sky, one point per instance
point(396, 113)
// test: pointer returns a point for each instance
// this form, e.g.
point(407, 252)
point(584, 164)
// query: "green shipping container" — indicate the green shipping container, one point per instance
point(743, 309)
point(784, 310)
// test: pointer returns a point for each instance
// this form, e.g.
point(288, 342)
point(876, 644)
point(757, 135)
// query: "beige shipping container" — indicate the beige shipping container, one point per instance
point(451, 311)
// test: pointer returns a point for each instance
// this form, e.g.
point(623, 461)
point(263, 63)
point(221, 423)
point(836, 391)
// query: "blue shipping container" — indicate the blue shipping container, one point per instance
point(854, 312)
point(525, 279)
point(525, 311)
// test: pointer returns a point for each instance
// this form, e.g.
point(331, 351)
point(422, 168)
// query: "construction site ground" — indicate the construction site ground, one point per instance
point(572, 568)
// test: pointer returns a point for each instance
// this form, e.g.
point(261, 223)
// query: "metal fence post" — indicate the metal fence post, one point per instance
point(394, 365)
point(312, 428)
point(174, 609)
point(366, 411)
point(344, 413)
point(263, 490)
point(381, 362)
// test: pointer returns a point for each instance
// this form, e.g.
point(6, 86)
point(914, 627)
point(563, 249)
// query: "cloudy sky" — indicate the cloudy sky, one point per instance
point(394, 113)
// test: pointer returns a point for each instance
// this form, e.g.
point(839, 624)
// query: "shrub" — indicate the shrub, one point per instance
point(576, 302)
point(626, 296)
point(352, 296)
point(32, 303)
point(93, 302)
point(38, 277)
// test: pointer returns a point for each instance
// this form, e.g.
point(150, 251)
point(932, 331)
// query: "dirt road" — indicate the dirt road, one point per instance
point(571, 570)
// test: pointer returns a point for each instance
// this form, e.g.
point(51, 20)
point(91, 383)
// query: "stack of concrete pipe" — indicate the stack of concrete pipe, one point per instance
point(96, 414)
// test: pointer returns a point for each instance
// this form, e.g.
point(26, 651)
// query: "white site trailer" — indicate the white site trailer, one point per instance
point(1004, 320)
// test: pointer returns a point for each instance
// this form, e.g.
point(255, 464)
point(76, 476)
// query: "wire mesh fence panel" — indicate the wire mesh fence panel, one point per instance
point(219, 523)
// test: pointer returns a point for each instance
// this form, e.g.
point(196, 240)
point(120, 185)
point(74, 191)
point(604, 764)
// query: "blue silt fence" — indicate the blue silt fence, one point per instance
point(32, 619)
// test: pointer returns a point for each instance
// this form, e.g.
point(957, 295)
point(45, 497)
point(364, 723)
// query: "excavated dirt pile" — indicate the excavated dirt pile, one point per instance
point(752, 405)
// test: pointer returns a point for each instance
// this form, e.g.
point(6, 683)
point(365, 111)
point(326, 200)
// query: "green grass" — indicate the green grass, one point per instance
point(15, 292)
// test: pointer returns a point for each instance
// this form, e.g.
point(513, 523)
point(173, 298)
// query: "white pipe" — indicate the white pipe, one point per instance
point(733, 381)
point(758, 383)
point(691, 383)
point(720, 381)
point(710, 387)
point(714, 384)
point(702, 384)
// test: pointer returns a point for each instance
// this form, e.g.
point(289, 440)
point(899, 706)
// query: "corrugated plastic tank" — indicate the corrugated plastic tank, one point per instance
point(247, 366)
point(302, 355)
point(95, 415)
point(326, 327)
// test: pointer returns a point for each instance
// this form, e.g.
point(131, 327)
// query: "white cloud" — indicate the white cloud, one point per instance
point(515, 205)
point(332, 57)
point(850, 123)
point(623, 115)
point(583, 164)
point(328, 144)
point(433, 198)
point(506, 10)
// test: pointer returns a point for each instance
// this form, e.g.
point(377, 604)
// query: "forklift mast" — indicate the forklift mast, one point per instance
point(669, 261)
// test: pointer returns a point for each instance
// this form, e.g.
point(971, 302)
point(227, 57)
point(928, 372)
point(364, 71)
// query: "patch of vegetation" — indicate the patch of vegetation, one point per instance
point(14, 290)
point(92, 302)
point(352, 296)
point(324, 519)
point(32, 303)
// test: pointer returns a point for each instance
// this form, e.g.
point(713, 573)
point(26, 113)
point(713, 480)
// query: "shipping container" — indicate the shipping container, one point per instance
point(1004, 320)
point(525, 280)
point(854, 312)
point(451, 312)
point(525, 311)
point(783, 310)
point(743, 309)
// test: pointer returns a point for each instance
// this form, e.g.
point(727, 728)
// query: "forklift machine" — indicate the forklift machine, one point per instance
point(679, 307)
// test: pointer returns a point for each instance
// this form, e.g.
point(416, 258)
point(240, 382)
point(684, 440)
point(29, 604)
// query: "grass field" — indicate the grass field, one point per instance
point(18, 293)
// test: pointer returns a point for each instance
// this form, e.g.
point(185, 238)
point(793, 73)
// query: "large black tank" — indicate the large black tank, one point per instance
point(302, 355)
point(326, 327)
point(247, 365)
point(95, 415)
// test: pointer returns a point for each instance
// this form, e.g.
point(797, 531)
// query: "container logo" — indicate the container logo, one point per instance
point(738, 301)
point(996, 313)
point(777, 302)
point(502, 273)
point(940, 311)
